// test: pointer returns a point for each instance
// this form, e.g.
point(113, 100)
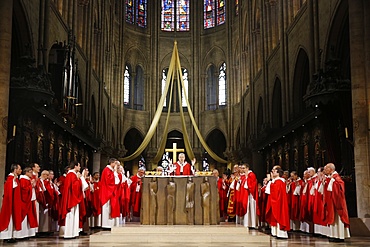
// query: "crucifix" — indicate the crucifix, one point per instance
point(174, 150)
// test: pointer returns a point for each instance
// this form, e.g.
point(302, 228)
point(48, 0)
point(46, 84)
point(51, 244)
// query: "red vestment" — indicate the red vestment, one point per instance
point(253, 188)
point(277, 206)
point(11, 204)
point(295, 189)
point(28, 206)
point(135, 195)
point(231, 206)
point(223, 188)
point(71, 195)
point(186, 169)
point(318, 207)
point(262, 202)
point(303, 207)
point(107, 185)
point(115, 201)
point(95, 199)
point(335, 201)
point(241, 196)
point(125, 199)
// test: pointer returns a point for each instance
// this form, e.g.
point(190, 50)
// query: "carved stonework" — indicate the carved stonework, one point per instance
point(27, 77)
point(305, 142)
point(51, 145)
point(287, 157)
point(40, 144)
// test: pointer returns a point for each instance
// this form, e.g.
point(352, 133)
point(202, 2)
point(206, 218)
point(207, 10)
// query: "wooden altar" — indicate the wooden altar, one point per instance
point(179, 200)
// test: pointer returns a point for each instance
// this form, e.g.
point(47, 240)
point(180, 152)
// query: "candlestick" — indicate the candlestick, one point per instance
point(14, 129)
point(346, 132)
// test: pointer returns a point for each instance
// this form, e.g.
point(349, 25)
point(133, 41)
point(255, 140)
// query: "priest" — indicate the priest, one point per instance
point(108, 194)
point(72, 195)
point(250, 218)
point(135, 192)
point(277, 211)
point(335, 207)
point(182, 167)
point(10, 214)
point(28, 211)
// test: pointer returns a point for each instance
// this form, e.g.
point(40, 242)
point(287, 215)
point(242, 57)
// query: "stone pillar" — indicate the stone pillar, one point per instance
point(6, 11)
point(359, 24)
point(96, 162)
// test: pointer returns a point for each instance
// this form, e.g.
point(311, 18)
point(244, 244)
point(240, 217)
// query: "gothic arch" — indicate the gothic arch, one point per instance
point(260, 122)
point(276, 107)
point(215, 55)
point(301, 79)
point(216, 141)
point(337, 45)
point(22, 43)
point(132, 141)
point(135, 56)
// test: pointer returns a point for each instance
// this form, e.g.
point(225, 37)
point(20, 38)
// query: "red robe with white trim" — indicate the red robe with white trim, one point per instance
point(223, 188)
point(135, 195)
point(335, 201)
point(71, 195)
point(107, 185)
point(277, 210)
point(28, 207)
point(95, 199)
point(186, 169)
point(11, 204)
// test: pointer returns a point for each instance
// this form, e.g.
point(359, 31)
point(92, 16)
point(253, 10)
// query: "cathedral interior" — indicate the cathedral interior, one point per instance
point(268, 82)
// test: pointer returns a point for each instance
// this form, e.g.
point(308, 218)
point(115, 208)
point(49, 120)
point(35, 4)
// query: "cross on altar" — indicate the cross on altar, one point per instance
point(174, 150)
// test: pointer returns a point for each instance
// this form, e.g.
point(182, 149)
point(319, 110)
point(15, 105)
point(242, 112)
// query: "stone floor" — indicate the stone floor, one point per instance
point(295, 239)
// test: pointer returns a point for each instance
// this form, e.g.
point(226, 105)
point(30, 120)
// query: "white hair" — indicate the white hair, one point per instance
point(311, 169)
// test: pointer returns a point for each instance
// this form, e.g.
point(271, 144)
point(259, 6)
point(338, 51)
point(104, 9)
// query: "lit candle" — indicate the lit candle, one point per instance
point(346, 132)
point(14, 129)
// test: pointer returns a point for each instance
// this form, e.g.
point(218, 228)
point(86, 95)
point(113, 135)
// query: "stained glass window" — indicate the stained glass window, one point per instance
point(221, 9)
point(130, 11)
point(136, 12)
point(222, 85)
point(126, 86)
point(174, 104)
point(169, 19)
point(141, 13)
point(182, 15)
point(168, 15)
point(236, 7)
point(214, 13)
point(209, 14)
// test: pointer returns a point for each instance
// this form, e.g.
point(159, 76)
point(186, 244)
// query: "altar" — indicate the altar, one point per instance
point(179, 200)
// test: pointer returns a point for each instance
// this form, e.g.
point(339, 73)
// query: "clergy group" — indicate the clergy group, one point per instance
point(37, 204)
point(285, 203)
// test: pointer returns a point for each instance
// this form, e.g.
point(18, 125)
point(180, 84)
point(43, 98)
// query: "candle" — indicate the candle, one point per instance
point(14, 129)
point(346, 131)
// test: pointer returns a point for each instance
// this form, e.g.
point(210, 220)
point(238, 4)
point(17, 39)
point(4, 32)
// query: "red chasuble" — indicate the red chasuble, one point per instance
point(185, 171)
point(294, 195)
point(28, 207)
point(253, 188)
point(241, 196)
point(277, 206)
point(11, 204)
point(223, 188)
point(125, 199)
point(95, 199)
point(135, 194)
point(71, 196)
point(334, 201)
point(107, 185)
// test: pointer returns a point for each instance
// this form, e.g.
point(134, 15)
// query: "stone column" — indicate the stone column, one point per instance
point(359, 24)
point(96, 162)
point(6, 11)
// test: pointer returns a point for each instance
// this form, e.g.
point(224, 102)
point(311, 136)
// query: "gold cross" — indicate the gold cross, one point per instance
point(174, 150)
